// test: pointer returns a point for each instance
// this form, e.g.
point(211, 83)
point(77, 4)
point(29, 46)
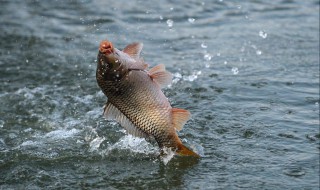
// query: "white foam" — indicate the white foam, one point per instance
point(95, 143)
point(85, 99)
point(167, 156)
point(95, 113)
point(30, 143)
point(134, 144)
point(61, 134)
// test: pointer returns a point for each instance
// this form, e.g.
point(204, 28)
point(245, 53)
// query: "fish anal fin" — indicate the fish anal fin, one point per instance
point(133, 50)
point(160, 75)
point(180, 117)
point(113, 113)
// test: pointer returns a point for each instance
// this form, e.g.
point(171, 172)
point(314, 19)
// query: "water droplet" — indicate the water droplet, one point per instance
point(203, 45)
point(161, 17)
point(317, 103)
point(192, 77)
point(207, 65)
point(170, 23)
point(225, 62)
point(263, 34)
point(171, 8)
point(1, 123)
point(27, 61)
point(207, 56)
point(218, 54)
point(239, 6)
point(191, 20)
point(258, 52)
point(235, 70)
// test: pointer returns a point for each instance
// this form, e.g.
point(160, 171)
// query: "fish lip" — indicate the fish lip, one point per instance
point(106, 47)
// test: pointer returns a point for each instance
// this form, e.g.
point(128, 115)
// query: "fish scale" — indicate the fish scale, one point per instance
point(151, 119)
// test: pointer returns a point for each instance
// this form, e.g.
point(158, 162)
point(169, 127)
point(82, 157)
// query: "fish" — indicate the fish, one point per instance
point(135, 98)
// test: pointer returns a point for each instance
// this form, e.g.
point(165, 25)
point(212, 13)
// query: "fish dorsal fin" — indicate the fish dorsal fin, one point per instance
point(180, 117)
point(133, 50)
point(160, 75)
point(113, 113)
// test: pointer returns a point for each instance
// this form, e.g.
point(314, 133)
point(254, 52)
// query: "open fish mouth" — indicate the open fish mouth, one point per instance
point(106, 47)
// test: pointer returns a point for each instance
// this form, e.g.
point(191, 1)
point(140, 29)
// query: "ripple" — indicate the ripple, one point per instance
point(294, 171)
point(289, 136)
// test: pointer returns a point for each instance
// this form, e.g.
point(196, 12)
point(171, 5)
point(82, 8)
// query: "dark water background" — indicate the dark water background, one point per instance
point(247, 70)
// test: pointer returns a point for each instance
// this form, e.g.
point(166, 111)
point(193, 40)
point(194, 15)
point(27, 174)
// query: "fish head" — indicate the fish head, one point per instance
point(108, 55)
point(110, 62)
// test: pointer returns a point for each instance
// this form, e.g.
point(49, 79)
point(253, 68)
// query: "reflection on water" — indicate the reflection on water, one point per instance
point(247, 71)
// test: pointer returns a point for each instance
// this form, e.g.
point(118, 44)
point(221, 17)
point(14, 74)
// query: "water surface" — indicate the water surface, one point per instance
point(247, 71)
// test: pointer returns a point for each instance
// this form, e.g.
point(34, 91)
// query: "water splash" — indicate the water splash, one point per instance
point(61, 134)
point(192, 77)
point(258, 52)
point(95, 143)
point(170, 23)
point(203, 45)
point(167, 156)
point(263, 34)
point(177, 77)
point(207, 56)
point(134, 144)
point(191, 20)
point(235, 70)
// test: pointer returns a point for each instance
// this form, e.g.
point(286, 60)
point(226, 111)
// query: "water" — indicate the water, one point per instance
point(247, 71)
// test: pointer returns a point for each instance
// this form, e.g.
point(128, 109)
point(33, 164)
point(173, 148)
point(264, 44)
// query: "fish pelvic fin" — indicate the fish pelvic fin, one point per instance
point(160, 75)
point(113, 113)
point(185, 151)
point(179, 118)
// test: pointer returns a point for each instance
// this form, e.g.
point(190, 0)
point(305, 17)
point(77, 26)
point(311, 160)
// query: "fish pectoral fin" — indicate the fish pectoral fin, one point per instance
point(133, 50)
point(180, 117)
point(113, 113)
point(160, 75)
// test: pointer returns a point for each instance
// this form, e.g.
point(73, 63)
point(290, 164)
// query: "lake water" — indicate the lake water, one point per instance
point(247, 71)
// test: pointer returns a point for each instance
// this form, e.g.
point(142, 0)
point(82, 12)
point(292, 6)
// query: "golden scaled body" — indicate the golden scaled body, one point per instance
point(135, 98)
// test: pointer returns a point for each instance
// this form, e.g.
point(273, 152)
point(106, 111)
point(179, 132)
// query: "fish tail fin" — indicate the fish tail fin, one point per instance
point(185, 151)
